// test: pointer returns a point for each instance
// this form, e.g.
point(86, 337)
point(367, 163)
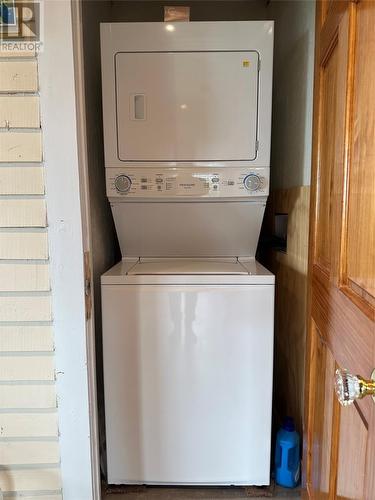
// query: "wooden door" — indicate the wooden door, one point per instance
point(339, 444)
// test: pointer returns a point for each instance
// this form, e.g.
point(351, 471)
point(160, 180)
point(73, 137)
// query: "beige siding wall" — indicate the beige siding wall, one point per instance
point(29, 448)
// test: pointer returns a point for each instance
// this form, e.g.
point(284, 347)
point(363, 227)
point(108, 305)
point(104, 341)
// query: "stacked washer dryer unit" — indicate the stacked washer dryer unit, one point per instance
point(188, 312)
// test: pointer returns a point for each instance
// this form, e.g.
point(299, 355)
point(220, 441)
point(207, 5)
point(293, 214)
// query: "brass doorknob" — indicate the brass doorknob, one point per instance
point(350, 387)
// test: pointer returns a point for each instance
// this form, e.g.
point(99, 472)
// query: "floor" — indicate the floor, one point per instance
point(159, 493)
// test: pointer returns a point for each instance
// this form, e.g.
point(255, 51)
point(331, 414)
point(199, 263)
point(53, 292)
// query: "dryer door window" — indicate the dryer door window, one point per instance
point(187, 106)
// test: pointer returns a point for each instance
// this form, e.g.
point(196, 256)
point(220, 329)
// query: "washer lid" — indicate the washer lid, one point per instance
point(180, 229)
point(188, 266)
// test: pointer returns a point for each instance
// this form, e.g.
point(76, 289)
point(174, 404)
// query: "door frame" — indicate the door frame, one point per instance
point(79, 77)
point(65, 161)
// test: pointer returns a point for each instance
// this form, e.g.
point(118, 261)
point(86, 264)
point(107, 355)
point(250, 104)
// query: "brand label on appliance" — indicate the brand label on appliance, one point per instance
point(190, 184)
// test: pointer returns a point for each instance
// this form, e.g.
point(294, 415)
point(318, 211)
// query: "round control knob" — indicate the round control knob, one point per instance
point(252, 182)
point(123, 183)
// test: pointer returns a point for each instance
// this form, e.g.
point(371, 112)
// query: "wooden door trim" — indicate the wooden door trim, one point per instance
point(347, 147)
point(78, 59)
point(309, 364)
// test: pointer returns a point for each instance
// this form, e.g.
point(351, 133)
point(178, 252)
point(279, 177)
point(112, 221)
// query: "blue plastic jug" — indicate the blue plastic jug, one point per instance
point(287, 455)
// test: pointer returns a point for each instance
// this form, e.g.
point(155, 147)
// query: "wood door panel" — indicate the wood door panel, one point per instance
point(353, 435)
point(323, 366)
point(339, 453)
point(360, 254)
point(328, 77)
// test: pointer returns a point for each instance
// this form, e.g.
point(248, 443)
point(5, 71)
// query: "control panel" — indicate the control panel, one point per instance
point(187, 182)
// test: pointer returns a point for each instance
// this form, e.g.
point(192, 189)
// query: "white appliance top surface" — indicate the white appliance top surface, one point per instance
point(194, 35)
point(188, 271)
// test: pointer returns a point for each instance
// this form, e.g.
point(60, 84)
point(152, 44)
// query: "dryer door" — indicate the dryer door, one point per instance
point(187, 106)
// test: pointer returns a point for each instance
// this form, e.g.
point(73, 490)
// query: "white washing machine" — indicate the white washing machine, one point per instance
point(188, 312)
point(188, 349)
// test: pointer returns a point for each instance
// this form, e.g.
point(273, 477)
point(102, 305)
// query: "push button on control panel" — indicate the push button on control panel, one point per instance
point(123, 183)
point(252, 182)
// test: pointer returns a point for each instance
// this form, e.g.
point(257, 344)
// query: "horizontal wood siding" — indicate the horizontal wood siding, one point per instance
point(18, 76)
point(27, 338)
point(19, 111)
point(28, 425)
point(30, 480)
point(21, 180)
point(23, 245)
point(29, 447)
point(20, 277)
point(26, 368)
point(36, 497)
point(25, 308)
point(29, 452)
point(32, 396)
point(22, 213)
point(20, 146)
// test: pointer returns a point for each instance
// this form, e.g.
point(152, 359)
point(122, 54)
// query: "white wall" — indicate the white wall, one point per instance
point(59, 119)
point(292, 92)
